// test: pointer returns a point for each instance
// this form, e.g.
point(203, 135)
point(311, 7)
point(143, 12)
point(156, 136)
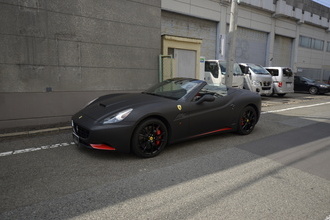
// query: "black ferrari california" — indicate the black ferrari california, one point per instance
point(173, 110)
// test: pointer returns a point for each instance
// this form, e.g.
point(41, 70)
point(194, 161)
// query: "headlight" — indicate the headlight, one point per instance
point(256, 83)
point(323, 86)
point(117, 117)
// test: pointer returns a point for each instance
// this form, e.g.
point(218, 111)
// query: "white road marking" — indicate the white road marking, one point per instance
point(297, 107)
point(27, 150)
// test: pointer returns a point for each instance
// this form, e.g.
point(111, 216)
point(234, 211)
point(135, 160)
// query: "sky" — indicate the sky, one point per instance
point(323, 2)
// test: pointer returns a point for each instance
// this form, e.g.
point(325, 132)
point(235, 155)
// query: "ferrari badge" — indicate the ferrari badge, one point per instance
point(179, 107)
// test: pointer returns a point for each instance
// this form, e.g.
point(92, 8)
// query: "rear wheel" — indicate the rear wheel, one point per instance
point(247, 120)
point(149, 138)
point(313, 90)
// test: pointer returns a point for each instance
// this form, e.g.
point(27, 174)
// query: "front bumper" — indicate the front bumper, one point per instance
point(324, 90)
point(86, 133)
point(264, 90)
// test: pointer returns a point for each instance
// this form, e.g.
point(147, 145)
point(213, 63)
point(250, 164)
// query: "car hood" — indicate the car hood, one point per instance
point(262, 77)
point(111, 104)
point(319, 84)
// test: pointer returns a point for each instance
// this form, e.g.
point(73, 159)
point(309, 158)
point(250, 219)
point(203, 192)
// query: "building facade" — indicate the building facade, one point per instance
point(56, 55)
point(292, 33)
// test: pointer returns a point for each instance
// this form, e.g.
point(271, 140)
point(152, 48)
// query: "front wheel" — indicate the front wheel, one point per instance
point(247, 120)
point(313, 90)
point(149, 138)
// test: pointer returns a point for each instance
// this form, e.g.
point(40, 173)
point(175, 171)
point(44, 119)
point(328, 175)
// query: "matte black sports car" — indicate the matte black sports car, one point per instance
point(174, 110)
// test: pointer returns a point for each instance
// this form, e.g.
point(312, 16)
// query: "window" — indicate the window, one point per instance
point(273, 72)
point(287, 72)
point(328, 46)
point(318, 44)
point(305, 42)
point(215, 90)
point(311, 43)
point(212, 67)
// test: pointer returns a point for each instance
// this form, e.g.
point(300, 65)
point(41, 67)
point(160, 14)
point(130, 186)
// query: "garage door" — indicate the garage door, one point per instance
point(251, 46)
point(282, 51)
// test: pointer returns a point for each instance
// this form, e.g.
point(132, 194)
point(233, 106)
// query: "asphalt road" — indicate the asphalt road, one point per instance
point(280, 171)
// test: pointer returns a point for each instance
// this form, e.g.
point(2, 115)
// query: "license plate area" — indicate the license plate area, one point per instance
point(289, 84)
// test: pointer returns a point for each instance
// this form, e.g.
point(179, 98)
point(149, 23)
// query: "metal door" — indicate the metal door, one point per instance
point(251, 46)
point(185, 63)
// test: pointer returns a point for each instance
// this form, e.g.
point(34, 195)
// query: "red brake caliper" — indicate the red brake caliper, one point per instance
point(158, 133)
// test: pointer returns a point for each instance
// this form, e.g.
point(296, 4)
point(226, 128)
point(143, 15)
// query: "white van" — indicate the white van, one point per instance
point(215, 73)
point(257, 79)
point(283, 80)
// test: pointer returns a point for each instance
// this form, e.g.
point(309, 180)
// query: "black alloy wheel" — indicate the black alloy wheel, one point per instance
point(149, 138)
point(247, 120)
point(313, 90)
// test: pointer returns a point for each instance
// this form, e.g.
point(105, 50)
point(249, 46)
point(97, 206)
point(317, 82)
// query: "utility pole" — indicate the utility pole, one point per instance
point(232, 42)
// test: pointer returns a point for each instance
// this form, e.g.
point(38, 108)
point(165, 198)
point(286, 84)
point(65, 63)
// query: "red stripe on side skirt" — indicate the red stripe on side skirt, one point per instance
point(211, 132)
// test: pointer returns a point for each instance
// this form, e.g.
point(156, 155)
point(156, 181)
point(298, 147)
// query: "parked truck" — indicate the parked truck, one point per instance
point(245, 76)
point(216, 71)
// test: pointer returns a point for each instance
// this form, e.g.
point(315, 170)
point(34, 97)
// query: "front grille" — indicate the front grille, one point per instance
point(267, 83)
point(265, 88)
point(80, 131)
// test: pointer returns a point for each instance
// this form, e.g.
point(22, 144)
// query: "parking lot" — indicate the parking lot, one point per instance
point(277, 172)
point(293, 98)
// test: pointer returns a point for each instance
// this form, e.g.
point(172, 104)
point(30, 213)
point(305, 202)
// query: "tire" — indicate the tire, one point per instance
point(313, 90)
point(149, 138)
point(247, 120)
point(281, 94)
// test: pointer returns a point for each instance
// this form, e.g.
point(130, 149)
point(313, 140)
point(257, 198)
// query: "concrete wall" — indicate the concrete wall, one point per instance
point(57, 55)
point(191, 27)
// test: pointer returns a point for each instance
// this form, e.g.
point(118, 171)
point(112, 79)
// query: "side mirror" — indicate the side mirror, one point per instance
point(206, 98)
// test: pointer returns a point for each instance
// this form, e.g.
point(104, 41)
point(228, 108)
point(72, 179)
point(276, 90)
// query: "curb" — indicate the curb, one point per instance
point(28, 133)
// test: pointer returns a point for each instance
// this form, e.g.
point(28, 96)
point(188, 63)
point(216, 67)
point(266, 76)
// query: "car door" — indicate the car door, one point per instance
point(238, 77)
point(211, 116)
point(299, 84)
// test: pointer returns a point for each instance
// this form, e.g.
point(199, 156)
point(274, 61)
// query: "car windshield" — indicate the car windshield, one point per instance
point(174, 88)
point(307, 80)
point(258, 69)
point(237, 70)
point(215, 90)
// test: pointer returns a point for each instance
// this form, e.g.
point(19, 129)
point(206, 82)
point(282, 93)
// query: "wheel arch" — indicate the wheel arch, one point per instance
point(155, 116)
point(256, 109)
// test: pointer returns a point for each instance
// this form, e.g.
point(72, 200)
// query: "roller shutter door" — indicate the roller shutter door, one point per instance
point(251, 46)
point(282, 51)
